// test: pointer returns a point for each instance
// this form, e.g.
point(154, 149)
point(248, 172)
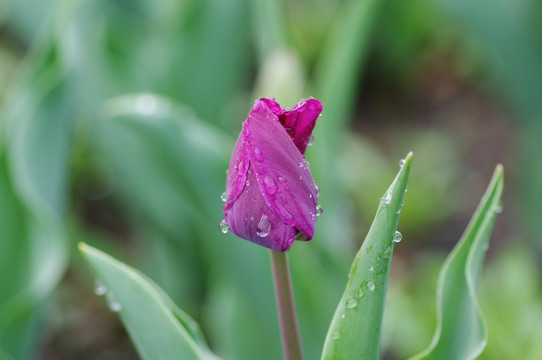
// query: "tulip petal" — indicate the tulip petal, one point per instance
point(266, 229)
point(237, 172)
point(298, 121)
point(282, 173)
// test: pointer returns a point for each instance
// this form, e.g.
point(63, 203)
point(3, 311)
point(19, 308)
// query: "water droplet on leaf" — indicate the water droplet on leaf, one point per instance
point(370, 285)
point(336, 335)
point(401, 163)
point(112, 303)
point(351, 303)
point(397, 237)
point(387, 197)
point(371, 268)
point(99, 288)
point(387, 252)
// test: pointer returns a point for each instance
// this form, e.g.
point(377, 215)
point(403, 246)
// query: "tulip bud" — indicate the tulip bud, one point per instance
point(270, 196)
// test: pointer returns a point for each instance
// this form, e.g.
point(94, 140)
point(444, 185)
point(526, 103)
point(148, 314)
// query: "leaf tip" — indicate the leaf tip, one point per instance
point(82, 247)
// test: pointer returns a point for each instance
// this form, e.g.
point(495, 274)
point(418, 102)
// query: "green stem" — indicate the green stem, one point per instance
point(289, 330)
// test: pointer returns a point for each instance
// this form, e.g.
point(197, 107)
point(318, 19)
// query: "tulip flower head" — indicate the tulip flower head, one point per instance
point(271, 197)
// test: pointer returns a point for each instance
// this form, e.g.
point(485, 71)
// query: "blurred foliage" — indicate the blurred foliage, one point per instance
point(117, 121)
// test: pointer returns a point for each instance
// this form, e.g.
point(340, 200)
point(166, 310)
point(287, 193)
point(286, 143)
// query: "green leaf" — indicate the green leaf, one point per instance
point(170, 163)
point(355, 329)
point(157, 327)
point(461, 330)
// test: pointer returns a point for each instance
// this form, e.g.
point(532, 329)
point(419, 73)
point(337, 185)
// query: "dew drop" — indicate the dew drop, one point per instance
point(223, 197)
point(336, 335)
point(401, 163)
point(498, 209)
point(281, 179)
point(223, 226)
point(310, 141)
point(290, 131)
point(371, 268)
point(258, 154)
point(343, 316)
point(370, 285)
point(264, 226)
point(387, 252)
point(112, 303)
point(319, 210)
point(397, 237)
point(241, 168)
point(351, 303)
point(317, 190)
point(270, 185)
point(99, 288)
point(287, 108)
point(360, 293)
point(387, 197)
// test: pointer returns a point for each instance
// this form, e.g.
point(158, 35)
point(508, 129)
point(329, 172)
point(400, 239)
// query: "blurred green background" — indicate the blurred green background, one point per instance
point(117, 120)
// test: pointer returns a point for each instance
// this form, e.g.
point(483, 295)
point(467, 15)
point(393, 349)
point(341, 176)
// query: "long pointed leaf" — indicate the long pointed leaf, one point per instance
point(461, 330)
point(158, 328)
point(355, 329)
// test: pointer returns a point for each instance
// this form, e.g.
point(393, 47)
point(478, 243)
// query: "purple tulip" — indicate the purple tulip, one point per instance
point(270, 196)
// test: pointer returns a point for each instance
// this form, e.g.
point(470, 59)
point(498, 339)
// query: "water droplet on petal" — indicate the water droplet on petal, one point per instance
point(401, 163)
point(112, 303)
point(270, 185)
point(319, 210)
point(241, 167)
point(290, 131)
point(317, 190)
point(370, 285)
point(371, 268)
point(223, 197)
point(258, 154)
point(281, 179)
point(99, 288)
point(397, 237)
point(310, 141)
point(264, 226)
point(287, 108)
point(351, 303)
point(223, 226)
